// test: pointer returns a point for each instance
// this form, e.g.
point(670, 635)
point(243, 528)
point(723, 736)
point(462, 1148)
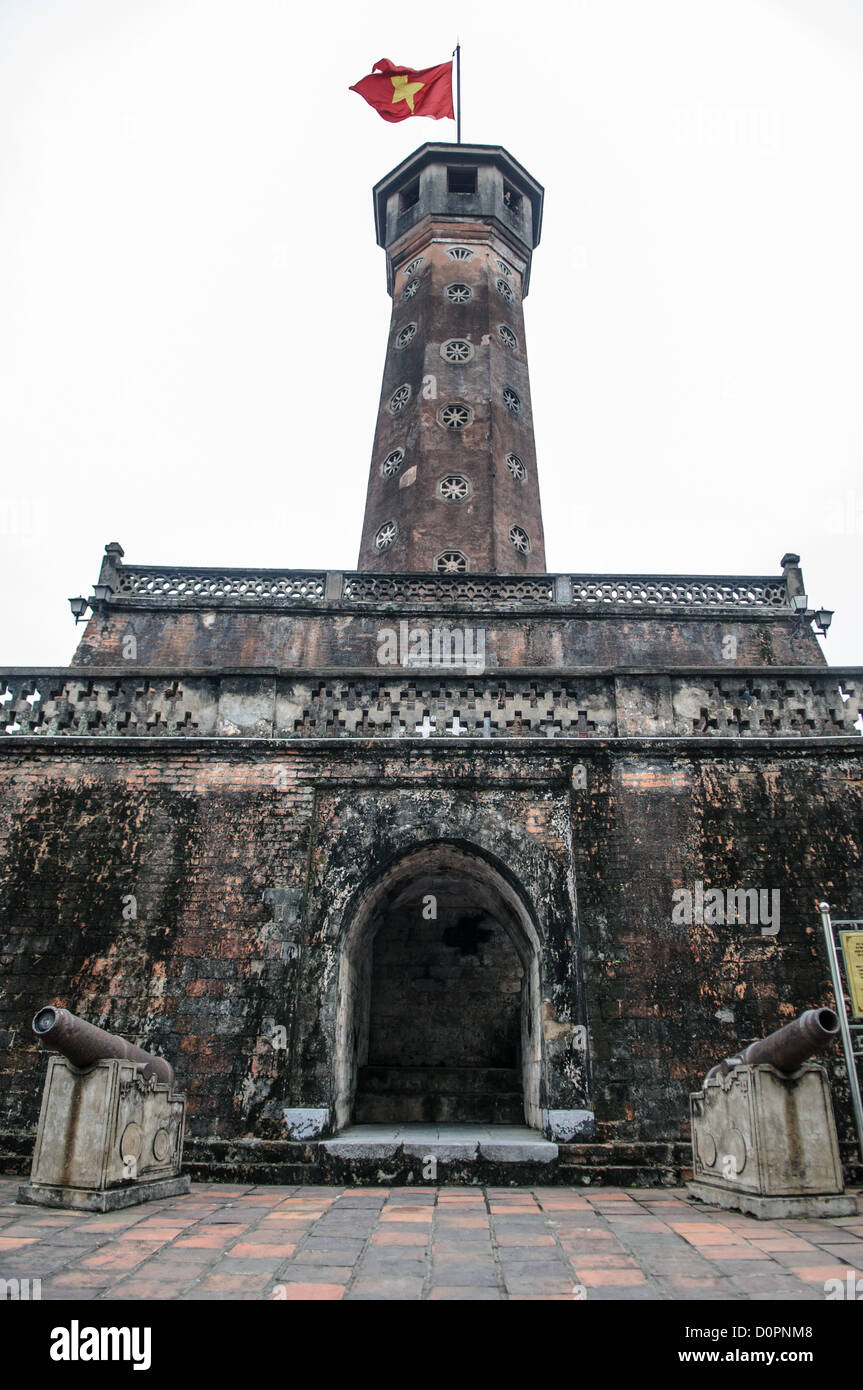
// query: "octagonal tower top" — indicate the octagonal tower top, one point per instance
point(459, 181)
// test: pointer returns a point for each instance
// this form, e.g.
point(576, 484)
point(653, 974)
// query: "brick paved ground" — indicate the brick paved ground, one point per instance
point(224, 1242)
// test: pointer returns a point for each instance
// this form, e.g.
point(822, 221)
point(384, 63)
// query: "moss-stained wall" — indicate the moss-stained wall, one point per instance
point(194, 896)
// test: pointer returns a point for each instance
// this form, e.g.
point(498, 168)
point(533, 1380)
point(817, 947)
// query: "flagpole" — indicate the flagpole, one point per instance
point(458, 93)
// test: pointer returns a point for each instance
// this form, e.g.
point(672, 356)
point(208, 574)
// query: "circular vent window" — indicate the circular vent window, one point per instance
point(454, 487)
point(392, 463)
point(456, 350)
point(455, 416)
point(519, 539)
point(516, 467)
point(458, 293)
point(386, 534)
point(406, 335)
point(399, 399)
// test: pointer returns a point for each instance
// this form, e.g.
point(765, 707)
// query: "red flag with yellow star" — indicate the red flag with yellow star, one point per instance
point(398, 93)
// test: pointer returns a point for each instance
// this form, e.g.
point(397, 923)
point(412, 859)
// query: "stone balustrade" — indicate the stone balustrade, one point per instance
point(303, 588)
point(433, 703)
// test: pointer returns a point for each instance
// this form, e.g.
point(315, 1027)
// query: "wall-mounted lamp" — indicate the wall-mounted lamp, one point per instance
point(102, 592)
point(823, 618)
point(79, 607)
point(799, 602)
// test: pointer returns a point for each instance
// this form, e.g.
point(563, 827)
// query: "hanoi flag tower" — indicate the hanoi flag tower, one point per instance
point(229, 752)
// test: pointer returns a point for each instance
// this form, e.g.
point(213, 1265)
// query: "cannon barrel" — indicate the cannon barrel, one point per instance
point(787, 1048)
point(82, 1043)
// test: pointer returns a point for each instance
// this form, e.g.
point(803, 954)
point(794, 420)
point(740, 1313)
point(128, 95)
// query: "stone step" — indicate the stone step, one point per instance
point(271, 1173)
point(438, 1109)
point(443, 1095)
point(617, 1164)
point(593, 1154)
point(319, 1162)
point(438, 1080)
point(270, 1161)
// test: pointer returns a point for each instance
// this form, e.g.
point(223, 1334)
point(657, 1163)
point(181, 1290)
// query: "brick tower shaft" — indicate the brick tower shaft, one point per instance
point(453, 482)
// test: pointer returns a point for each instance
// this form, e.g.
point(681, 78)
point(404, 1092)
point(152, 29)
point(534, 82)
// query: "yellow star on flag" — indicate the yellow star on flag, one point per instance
point(404, 90)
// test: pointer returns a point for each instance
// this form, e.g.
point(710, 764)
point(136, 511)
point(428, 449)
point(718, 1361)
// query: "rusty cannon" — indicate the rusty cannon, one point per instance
point(788, 1048)
point(82, 1044)
point(111, 1125)
point(763, 1134)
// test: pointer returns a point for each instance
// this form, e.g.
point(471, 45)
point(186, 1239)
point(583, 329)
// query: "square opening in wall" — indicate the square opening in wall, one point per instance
point(461, 180)
point(511, 199)
point(409, 195)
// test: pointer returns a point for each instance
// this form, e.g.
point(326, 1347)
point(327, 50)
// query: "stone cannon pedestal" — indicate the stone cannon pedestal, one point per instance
point(764, 1142)
point(107, 1138)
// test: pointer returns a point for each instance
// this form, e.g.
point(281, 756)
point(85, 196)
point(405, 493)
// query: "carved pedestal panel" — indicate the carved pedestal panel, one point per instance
point(765, 1143)
point(107, 1138)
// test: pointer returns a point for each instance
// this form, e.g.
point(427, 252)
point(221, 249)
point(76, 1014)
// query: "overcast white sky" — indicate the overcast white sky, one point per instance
point(193, 311)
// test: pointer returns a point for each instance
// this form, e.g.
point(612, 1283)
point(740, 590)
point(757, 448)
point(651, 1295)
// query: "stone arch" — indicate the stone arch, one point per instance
point(492, 889)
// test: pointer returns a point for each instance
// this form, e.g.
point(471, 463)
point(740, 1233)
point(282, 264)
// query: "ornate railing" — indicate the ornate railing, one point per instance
point(138, 581)
point(689, 593)
point(447, 588)
point(409, 703)
point(305, 587)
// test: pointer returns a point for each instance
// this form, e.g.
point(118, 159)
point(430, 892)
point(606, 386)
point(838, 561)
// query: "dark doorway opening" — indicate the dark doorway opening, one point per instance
point(438, 1017)
point(445, 1013)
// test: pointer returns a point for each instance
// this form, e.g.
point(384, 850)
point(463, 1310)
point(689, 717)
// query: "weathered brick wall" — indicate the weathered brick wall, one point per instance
point(478, 526)
point(243, 860)
point(338, 638)
point(666, 1000)
point(194, 973)
point(442, 996)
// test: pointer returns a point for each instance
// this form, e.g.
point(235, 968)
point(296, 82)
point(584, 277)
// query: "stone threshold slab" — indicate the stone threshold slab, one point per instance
point(494, 1143)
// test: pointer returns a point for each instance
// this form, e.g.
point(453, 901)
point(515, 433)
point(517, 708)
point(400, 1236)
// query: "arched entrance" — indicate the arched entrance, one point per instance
point(439, 1001)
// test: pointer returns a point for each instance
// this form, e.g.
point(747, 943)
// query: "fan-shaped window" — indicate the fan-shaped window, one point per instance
point(451, 562)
